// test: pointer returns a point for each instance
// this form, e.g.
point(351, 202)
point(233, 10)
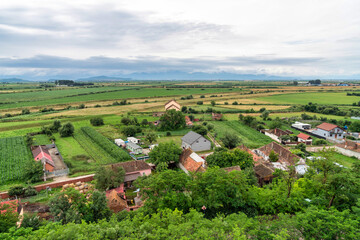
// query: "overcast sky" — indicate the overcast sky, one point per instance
point(85, 38)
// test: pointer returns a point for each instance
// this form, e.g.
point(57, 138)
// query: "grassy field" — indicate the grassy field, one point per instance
point(249, 136)
point(14, 156)
point(343, 160)
point(75, 156)
point(336, 98)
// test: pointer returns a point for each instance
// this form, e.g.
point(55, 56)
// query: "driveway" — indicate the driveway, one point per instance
point(59, 164)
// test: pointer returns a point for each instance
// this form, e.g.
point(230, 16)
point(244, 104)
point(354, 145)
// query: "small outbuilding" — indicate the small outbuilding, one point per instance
point(136, 149)
point(304, 138)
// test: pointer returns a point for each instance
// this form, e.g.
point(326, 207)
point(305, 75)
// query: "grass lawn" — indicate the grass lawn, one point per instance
point(319, 97)
point(343, 160)
point(249, 136)
point(75, 156)
point(41, 139)
point(164, 139)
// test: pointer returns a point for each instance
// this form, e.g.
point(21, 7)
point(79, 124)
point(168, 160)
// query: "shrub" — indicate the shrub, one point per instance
point(17, 190)
point(200, 103)
point(81, 106)
point(96, 121)
point(67, 130)
point(29, 191)
point(168, 134)
point(320, 142)
point(25, 111)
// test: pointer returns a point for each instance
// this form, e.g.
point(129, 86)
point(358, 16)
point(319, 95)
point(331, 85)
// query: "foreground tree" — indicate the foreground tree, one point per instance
point(230, 140)
point(97, 207)
point(225, 158)
point(165, 153)
point(33, 171)
point(68, 206)
point(107, 178)
point(165, 189)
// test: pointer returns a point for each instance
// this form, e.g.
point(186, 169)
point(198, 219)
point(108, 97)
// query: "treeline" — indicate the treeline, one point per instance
point(168, 224)
point(106, 144)
point(328, 110)
point(72, 83)
point(353, 94)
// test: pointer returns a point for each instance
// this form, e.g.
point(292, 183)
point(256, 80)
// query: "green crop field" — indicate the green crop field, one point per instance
point(343, 160)
point(14, 156)
point(36, 100)
point(249, 136)
point(319, 97)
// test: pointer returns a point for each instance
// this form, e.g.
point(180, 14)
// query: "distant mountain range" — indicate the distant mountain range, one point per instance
point(13, 80)
point(169, 75)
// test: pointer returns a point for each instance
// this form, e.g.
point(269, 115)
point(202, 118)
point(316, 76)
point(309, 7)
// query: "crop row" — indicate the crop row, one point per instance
point(14, 156)
point(117, 153)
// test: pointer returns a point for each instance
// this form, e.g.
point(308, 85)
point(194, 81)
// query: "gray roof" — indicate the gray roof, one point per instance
point(133, 145)
point(191, 137)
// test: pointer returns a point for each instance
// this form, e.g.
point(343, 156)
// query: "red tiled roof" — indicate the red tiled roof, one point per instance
point(11, 205)
point(303, 136)
point(327, 126)
point(190, 164)
point(132, 166)
point(41, 152)
point(257, 159)
point(284, 154)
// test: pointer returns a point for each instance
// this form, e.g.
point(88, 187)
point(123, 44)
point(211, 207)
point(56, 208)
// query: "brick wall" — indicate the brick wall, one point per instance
point(4, 195)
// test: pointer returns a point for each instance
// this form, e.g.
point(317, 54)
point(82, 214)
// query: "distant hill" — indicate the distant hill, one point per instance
point(102, 78)
point(13, 80)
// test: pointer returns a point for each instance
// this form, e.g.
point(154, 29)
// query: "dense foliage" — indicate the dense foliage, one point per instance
point(165, 153)
point(226, 158)
point(172, 120)
point(107, 178)
point(97, 121)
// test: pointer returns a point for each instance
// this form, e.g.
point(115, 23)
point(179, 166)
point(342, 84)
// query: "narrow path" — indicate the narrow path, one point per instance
point(213, 140)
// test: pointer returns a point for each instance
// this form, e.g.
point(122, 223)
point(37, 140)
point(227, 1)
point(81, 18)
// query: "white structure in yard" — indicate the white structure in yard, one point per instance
point(133, 140)
point(300, 125)
point(120, 142)
point(329, 131)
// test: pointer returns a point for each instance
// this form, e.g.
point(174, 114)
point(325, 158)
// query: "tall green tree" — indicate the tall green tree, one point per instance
point(172, 120)
point(68, 206)
point(165, 153)
point(226, 158)
point(97, 207)
point(230, 140)
point(107, 178)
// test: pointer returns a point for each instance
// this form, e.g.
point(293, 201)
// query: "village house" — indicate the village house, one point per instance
point(132, 147)
point(188, 122)
point(233, 168)
point(195, 141)
point(285, 157)
point(264, 173)
point(329, 131)
point(189, 161)
point(349, 148)
point(216, 116)
point(172, 104)
point(157, 114)
point(115, 202)
point(304, 138)
point(257, 159)
point(133, 170)
point(276, 133)
point(41, 153)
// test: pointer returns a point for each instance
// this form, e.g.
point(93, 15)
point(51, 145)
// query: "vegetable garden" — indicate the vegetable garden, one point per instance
point(14, 156)
point(101, 149)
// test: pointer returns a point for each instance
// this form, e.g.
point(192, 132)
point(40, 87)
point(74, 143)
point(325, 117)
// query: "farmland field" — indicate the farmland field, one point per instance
point(337, 98)
point(110, 95)
point(14, 156)
point(249, 136)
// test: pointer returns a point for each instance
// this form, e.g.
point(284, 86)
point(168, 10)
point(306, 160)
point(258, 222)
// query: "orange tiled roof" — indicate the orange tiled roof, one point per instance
point(327, 126)
point(303, 136)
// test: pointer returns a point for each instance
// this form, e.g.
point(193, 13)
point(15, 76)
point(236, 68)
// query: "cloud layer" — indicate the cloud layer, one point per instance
point(82, 38)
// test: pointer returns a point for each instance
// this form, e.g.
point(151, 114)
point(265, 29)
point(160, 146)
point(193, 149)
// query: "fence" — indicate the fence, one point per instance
point(139, 158)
